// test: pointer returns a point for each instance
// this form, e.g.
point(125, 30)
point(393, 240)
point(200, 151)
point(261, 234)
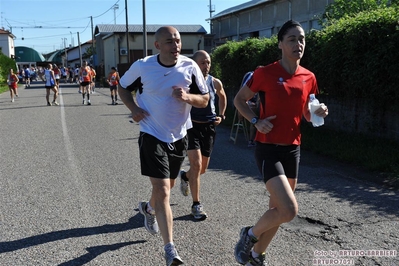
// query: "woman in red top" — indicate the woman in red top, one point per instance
point(284, 87)
point(12, 81)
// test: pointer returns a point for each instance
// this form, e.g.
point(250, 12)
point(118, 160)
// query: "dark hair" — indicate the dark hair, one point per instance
point(288, 25)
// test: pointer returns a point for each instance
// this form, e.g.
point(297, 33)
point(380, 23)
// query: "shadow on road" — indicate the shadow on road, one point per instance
point(94, 252)
point(133, 223)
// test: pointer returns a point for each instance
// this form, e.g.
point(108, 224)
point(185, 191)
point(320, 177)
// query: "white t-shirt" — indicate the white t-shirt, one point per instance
point(169, 118)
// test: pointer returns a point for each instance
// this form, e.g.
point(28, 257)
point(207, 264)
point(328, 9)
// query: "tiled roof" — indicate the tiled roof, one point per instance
point(2, 31)
point(239, 8)
point(110, 28)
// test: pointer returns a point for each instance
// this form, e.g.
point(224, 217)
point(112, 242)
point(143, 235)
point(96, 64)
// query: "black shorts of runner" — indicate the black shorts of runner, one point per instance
point(202, 137)
point(85, 83)
point(49, 87)
point(159, 159)
point(113, 87)
point(274, 160)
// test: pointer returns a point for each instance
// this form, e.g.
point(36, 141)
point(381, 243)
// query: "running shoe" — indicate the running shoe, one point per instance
point(184, 185)
point(171, 256)
point(55, 103)
point(150, 221)
point(12, 100)
point(83, 102)
point(88, 102)
point(244, 246)
point(258, 261)
point(48, 104)
point(198, 212)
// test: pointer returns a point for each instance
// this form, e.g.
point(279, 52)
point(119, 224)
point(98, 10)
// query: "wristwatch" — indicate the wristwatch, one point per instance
point(254, 120)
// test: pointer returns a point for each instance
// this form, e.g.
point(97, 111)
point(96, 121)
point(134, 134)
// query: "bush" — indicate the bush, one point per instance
point(6, 64)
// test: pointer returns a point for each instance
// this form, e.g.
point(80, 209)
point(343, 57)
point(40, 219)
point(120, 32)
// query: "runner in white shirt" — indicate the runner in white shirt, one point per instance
point(167, 84)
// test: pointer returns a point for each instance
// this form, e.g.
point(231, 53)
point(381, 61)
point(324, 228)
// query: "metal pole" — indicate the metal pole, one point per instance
point(127, 34)
point(144, 32)
point(92, 39)
point(80, 51)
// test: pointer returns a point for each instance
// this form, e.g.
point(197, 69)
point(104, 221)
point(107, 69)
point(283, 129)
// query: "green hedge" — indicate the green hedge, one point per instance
point(6, 64)
point(356, 57)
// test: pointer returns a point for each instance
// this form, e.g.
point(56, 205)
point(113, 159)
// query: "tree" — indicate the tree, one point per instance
point(341, 8)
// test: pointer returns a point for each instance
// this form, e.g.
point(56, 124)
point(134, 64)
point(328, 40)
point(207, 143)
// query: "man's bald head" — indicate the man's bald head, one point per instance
point(166, 31)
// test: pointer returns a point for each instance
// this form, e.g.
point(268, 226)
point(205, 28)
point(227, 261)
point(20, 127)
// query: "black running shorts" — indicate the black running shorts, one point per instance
point(274, 160)
point(160, 159)
point(202, 137)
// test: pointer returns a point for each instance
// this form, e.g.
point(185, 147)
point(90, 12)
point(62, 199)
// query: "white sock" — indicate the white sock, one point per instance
point(254, 254)
point(150, 210)
point(250, 233)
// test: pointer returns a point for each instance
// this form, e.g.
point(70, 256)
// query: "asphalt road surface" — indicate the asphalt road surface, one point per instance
point(70, 184)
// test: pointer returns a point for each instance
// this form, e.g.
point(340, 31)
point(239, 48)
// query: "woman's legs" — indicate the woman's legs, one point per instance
point(283, 207)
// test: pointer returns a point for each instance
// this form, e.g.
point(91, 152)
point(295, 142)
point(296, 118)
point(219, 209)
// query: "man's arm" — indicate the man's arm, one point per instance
point(196, 100)
point(128, 99)
point(222, 96)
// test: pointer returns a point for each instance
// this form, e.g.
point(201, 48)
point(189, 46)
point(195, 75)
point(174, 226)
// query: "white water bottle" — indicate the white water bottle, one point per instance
point(313, 106)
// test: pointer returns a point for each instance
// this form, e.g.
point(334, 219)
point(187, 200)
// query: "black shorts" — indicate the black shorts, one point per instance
point(202, 137)
point(159, 159)
point(85, 83)
point(113, 87)
point(49, 87)
point(274, 160)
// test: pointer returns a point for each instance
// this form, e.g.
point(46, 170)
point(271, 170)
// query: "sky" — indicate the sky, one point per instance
point(49, 25)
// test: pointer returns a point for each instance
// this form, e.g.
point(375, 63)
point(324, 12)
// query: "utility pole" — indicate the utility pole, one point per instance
point(92, 38)
point(211, 10)
point(144, 32)
point(80, 51)
point(127, 34)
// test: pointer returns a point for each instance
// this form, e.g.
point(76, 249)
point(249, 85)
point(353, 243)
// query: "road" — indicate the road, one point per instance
point(70, 183)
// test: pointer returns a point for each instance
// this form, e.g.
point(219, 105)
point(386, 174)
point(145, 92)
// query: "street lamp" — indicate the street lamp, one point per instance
point(65, 62)
point(115, 7)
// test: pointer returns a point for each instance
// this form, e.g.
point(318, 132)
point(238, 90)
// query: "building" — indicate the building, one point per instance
point(7, 46)
point(27, 57)
point(263, 18)
point(113, 50)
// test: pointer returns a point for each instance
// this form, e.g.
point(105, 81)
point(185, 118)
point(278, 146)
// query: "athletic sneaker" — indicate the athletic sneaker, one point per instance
point(12, 100)
point(198, 212)
point(48, 104)
point(184, 185)
point(83, 101)
point(113, 102)
point(150, 221)
point(244, 246)
point(55, 103)
point(88, 102)
point(171, 256)
point(258, 261)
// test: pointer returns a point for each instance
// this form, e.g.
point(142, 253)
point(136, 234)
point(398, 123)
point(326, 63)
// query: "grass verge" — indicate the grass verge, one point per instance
point(3, 88)
point(371, 153)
